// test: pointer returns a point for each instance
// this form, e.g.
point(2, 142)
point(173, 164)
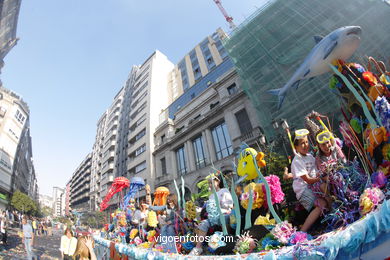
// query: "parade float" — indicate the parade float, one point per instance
point(261, 220)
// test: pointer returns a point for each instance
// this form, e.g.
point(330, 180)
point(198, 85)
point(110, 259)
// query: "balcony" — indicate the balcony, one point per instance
point(251, 136)
point(111, 177)
point(164, 179)
point(108, 167)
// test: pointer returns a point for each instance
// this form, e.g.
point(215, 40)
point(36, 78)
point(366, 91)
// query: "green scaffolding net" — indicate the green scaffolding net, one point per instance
point(270, 45)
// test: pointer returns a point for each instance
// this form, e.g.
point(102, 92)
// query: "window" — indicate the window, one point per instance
point(140, 167)
point(162, 139)
point(140, 150)
point(20, 117)
point(163, 166)
point(222, 142)
point(140, 134)
point(195, 65)
point(207, 54)
point(232, 89)
point(243, 121)
point(181, 161)
point(200, 158)
point(183, 71)
point(2, 111)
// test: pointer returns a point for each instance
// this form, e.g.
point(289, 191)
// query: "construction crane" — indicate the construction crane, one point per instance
point(228, 18)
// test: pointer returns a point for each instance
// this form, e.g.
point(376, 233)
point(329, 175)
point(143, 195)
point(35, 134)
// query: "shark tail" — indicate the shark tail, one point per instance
point(276, 92)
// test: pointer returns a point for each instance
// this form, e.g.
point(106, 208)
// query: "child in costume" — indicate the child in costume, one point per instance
point(306, 174)
point(226, 205)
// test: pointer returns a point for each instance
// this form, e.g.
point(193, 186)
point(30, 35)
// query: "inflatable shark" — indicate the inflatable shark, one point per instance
point(338, 45)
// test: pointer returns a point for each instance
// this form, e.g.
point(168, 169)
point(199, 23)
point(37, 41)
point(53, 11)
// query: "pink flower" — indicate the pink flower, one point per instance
point(277, 194)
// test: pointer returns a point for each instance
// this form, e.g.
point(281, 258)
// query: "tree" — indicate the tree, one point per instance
point(22, 202)
point(94, 219)
point(46, 211)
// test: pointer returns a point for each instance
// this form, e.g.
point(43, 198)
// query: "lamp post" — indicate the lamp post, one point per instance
point(284, 125)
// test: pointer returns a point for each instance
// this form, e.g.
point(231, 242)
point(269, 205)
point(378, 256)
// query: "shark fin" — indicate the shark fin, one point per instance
point(330, 49)
point(318, 38)
point(296, 83)
point(306, 73)
point(276, 92)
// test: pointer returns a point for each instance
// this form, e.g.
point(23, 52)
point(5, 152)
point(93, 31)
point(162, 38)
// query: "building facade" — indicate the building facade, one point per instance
point(9, 14)
point(16, 164)
point(124, 140)
point(80, 187)
point(204, 134)
point(67, 199)
point(45, 201)
point(269, 47)
point(57, 201)
point(96, 164)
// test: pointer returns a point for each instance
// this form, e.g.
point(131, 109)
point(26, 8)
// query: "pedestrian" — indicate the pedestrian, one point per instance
point(34, 226)
point(84, 250)
point(44, 228)
point(28, 238)
point(3, 230)
point(49, 228)
point(68, 245)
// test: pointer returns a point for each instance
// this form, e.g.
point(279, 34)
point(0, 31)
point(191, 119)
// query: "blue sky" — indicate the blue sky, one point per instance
point(73, 56)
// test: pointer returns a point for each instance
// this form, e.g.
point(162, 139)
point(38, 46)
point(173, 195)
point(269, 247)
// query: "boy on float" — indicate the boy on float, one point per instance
point(305, 176)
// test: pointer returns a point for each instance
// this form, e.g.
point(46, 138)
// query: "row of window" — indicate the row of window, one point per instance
point(222, 144)
point(136, 124)
point(140, 89)
point(204, 46)
point(183, 71)
point(20, 117)
point(139, 110)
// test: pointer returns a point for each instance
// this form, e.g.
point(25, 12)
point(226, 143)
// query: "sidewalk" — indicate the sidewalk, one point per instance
point(45, 247)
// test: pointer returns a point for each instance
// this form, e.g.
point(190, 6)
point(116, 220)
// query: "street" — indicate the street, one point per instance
point(45, 247)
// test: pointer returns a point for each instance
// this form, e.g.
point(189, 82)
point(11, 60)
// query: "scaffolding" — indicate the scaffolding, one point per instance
point(269, 46)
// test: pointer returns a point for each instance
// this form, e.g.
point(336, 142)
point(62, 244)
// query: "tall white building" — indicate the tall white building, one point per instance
point(80, 187)
point(45, 201)
point(16, 164)
point(57, 201)
point(124, 140)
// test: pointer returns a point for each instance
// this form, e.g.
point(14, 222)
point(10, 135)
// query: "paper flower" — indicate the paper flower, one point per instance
point(137, 241)
point(133, 233)
point(152, 219)
point(151, 237)
point(261, 220)
point(190, 210)
point(283, 232)
point(299, 237)
point(268, 242)
point(257, 194)
point(370, 198)
point(245, 244)
point(378, 179)
point(277, 194)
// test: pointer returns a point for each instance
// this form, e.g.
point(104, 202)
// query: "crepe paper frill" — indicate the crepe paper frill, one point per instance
point(283, 232)
point(370, 199)
point(257, 195)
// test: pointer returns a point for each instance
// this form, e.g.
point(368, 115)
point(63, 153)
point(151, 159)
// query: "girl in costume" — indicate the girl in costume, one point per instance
point(168, 229)
point(329, 151)
point(226, 205)
point(306, 174)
